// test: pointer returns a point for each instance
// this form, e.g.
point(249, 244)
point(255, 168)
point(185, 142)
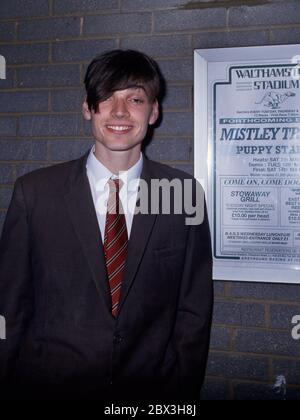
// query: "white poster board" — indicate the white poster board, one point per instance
point(247, 157)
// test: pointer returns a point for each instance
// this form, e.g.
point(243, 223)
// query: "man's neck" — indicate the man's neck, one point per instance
point(117, 161)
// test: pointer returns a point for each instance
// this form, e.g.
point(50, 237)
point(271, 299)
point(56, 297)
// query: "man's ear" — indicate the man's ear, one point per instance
point(155, 113)
point(87, 115)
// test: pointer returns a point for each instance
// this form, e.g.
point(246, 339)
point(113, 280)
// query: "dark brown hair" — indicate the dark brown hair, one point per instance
point(122, 69)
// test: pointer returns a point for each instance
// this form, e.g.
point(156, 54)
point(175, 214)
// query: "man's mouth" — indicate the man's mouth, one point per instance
point(120, 129)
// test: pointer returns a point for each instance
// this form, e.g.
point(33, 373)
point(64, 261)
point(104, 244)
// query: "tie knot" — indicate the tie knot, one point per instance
point(115, 185)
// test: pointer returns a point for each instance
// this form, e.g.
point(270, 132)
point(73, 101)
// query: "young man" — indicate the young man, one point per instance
point(100, 304)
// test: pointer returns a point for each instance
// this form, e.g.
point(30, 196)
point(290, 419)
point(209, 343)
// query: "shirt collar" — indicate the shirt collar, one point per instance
point(101, 173)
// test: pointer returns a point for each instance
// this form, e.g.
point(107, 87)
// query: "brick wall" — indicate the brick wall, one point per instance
point(47, 45)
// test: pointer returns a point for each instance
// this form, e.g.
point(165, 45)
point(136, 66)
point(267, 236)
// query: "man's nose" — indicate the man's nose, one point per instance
point(119, 109)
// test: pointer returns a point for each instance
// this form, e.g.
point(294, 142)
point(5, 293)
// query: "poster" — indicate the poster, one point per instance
point(252, 169)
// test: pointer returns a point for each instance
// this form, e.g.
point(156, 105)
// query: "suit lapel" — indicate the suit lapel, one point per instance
point(79, 202)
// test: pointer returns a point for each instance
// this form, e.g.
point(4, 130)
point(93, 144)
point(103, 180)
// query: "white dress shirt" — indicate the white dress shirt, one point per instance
point(98, 176)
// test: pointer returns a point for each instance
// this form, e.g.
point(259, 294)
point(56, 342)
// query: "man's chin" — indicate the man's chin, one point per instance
point(121, 146)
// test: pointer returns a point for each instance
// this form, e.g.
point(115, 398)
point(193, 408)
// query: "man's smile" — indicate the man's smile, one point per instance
point(119, 129)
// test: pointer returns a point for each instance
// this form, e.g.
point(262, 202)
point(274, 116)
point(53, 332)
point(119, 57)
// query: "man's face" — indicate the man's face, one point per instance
point(122, 120)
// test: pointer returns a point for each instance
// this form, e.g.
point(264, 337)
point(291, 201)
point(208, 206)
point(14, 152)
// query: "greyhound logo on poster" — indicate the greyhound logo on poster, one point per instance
point(257, 164)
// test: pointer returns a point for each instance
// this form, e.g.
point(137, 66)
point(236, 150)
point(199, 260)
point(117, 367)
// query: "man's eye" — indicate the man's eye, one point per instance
point(137, 100)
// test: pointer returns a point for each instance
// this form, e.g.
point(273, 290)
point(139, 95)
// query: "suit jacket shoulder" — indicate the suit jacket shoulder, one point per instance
point(165, 171)
point(53, 180)
point(53, 175)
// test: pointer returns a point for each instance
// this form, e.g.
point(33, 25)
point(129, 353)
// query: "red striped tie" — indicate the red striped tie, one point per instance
point(115, 243)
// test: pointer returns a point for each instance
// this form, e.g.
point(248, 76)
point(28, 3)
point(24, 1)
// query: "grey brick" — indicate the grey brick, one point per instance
point(230, 39)
point(219, 288)
point(159, 46)
point(246, 314)
point(49, 76)
point(6, 174)
point(67, 100)
point(81, 50)
point(285, 36)
point(18, 9)
point(8, 126)
point(180, 20)
point(176, 124)
point(24, 168)
point(237, 367)
point(23, 101)
point(117, 24)
point(10, 79)
point(84, 67)
point(49, 29)
point(25, 53)
point(85, 6)
point(267, 342)
point(50, 125)
point(290, 369)
point(7, 31)
point(214, 390)
point(5, 197)
point(281, 315)
point(22, 150)
point(220, 338)
point(177, 97)
point(67, 150)
point(177, 70)
point(169, 149)
point(255, 392)
point(268, 14)
point(154, 4)
point(266, 291)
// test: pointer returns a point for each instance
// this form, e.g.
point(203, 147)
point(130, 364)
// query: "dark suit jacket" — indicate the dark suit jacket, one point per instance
point(62, 341)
